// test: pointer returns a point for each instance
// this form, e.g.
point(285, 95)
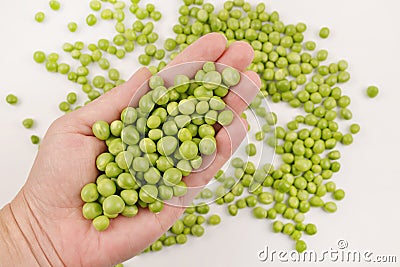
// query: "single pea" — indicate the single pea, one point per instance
point(251, 149)
point(372, 91)
point(301, 246)
point(310, 229)
point(95, 5)
point(207, 146)
point(113, 205)
point(232, 209)
point(91, 210)
point(28, 123)
point(324, 32)
point(230, 76)
point(288, 228)
point(101, 130)
point(91, 20)
point(101, 223)
point(265, 198)
point(89, 193)
point(316, 201)
point(156, 206)
point(214, 219)
point(130, 211)
point(225, 118)
point(277, 226)
point(106, 187)
point(148, 193)
point(72, 26)
point(54, 4)
point(347, 139)
point(339, 194)
point(172, 176)
point(260, 213)
point(197, 230)
point(169, 44)
point(39, 57)
point(35, 139)
point(330, 207)
point(354, 128)
point(11, 99)
point(40, 16)
point(188, 150)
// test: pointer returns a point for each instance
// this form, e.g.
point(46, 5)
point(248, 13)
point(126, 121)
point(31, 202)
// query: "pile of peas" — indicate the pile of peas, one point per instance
point(293, 73)
point(154, 146)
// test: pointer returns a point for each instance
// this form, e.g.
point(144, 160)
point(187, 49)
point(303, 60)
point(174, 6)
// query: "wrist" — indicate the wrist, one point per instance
point(22, 240)
point(14, 249)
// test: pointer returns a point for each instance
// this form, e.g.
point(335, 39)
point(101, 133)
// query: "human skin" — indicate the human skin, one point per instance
point(44, 226)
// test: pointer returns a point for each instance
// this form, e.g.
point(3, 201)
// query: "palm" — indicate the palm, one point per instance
point(65, 163)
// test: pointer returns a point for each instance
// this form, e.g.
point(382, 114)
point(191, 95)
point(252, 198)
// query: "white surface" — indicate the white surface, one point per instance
point(365, 32)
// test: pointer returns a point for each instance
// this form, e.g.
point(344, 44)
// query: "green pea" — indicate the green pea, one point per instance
point(39, 57)
point(72, 26)
point(11, 99)
point(113, 205)
point(225, 117)
point(316, 201)
point(372, 91)
point(301, 246)
point(202, 208)
point(189, 220)
point(156, 206)
point(230, 76)
point(102, 160)
point(40, 16)
point(277, 226)
point(214, 219)
point(91, 210)
point(260, 213)
point(130, 197)
point(101, 130)
point(197, 230)
point(324, 32)
point(167, 145)
point(91, 20)
point(71, 98)
point(169, 44)
point(106, 187)
point(54, 4)
point(172, 176)
point(288, 229)
point(130, 211)
point(165, 192)
point(347, 139)
point(28, 123)
point(338, 194)
point(207, 145)
point(330, 207)
point(188, 150)
point(140, 164)
point(148, 193)
point(89, 193)
point(101, 223)
point(35, 139)
point(251, 149)
point(311, 229)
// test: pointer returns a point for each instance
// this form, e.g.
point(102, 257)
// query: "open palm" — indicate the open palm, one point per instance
point(48, 209)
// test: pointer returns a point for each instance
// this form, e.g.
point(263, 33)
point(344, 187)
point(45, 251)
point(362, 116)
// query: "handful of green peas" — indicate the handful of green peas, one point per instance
point(152, 147)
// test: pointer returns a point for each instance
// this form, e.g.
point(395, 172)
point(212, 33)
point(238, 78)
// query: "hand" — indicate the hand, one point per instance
point(44, 223)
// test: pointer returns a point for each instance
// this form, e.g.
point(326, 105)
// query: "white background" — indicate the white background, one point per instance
point(365, 32)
